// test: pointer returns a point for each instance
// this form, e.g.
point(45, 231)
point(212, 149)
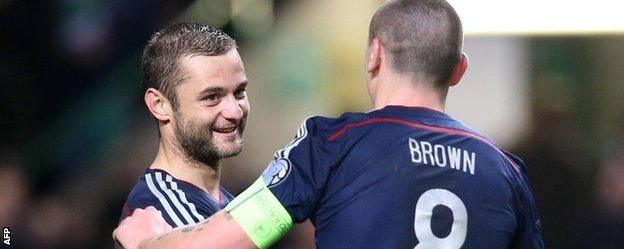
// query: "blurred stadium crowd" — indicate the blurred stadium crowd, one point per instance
point(75, 134)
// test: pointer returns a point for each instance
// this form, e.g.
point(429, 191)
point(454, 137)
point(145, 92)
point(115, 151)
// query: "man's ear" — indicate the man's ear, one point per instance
point(373, 62)
point(459, 71)
point(158, 105)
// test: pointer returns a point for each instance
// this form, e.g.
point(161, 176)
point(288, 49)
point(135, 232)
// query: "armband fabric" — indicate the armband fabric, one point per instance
point(260, 214)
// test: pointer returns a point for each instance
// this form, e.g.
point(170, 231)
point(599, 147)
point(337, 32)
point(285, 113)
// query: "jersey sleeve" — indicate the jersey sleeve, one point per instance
point(150, 193)
point(529, 234)
point(300, 170)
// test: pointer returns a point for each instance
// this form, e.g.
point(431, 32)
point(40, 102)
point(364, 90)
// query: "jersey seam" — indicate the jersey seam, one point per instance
point(337, 134)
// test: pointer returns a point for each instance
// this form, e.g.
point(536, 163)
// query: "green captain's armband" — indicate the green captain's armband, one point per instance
point(260, 214)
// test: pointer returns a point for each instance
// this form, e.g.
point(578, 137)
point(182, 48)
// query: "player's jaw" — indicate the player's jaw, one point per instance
point(208, 144)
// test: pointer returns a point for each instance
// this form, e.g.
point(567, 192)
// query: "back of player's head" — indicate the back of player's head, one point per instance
point(422, 38)
point(161, 67)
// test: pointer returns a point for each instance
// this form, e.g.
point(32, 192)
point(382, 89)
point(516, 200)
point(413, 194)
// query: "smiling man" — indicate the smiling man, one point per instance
point(195, 88)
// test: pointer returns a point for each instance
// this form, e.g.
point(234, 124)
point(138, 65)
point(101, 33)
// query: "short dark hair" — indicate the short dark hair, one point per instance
point(421, 37)
point(160, 65)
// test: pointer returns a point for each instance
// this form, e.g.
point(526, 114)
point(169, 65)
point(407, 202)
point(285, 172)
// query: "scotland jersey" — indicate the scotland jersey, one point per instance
point(181, 203)
point(404, 177)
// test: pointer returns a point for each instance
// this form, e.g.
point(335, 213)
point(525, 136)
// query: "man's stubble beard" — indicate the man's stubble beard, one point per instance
point(198, 145)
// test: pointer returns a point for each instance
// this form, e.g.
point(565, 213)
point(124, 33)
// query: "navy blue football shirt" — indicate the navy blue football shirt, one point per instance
point(404, 177)
point(180, 202)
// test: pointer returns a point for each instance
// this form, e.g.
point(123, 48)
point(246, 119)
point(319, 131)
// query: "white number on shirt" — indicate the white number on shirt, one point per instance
point(422, 221)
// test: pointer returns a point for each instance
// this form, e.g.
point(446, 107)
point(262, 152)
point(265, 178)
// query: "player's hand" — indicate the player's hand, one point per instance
point(142, 226)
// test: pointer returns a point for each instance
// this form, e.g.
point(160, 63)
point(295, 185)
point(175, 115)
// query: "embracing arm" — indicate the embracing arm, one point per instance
point(218, 231)
point(254, 219)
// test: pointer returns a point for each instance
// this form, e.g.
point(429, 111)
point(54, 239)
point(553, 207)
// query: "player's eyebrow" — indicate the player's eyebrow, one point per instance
point(210, 90)
point(242, 84)
point(217, 89)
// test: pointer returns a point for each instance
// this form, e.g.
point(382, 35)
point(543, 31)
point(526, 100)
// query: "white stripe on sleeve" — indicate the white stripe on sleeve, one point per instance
point(174, 199)
point(301, 134)
point(294, 143)
point(174, 186)
point(163, 200)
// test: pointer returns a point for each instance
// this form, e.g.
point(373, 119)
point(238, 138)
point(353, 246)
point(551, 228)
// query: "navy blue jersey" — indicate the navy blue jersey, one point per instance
point(180, 202)
point(404, 177)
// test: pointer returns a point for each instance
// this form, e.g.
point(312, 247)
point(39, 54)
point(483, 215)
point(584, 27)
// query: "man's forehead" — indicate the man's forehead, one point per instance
point(211, 62)
point(227, 68)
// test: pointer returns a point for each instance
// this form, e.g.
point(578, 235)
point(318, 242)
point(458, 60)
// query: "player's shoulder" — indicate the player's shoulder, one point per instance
point(156, 185)
point(492, 152)
point(143, 192)
point(496, 158)
point(332, 127)
point(179, 205)
point(389, 117)
point(328, 123)
point(315, 134)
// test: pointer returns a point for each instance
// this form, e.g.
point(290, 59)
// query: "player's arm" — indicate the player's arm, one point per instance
point(529, 234)
point(258, 217)
point(254, 219)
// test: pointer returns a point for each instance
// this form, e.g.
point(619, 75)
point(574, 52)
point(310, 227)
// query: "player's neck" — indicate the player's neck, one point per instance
point(172, 160)
point(402, 91)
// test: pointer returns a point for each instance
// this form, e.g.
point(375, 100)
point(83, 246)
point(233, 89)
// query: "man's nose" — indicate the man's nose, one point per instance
point(232, 109)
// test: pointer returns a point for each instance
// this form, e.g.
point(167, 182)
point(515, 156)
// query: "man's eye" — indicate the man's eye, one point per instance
point(211, 97)
point(240, 93)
